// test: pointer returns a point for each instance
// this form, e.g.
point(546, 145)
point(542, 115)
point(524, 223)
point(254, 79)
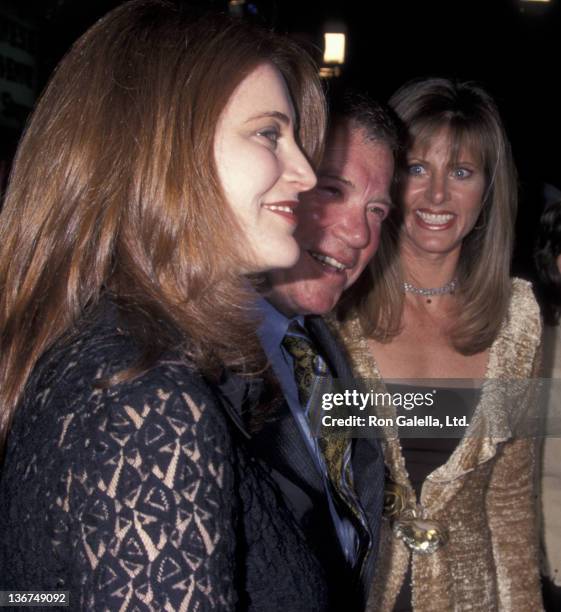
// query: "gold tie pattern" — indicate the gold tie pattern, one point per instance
point(312, 376)
point(307, 363)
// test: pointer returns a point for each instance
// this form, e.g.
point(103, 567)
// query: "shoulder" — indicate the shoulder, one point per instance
point(350, 336)
point(347, 331)
point(524, 319)
point(523, 300)
point(103, 349)
point(76, 408)
point(515, 351)
point(169, 404)
point(155, 452)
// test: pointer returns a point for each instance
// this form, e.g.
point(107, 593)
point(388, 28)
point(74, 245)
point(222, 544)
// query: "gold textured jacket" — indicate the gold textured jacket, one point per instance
point(484, 494)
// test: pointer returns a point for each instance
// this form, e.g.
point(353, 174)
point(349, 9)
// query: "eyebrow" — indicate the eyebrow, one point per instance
point(335, 177)
point(451, 161)
point(274, 114)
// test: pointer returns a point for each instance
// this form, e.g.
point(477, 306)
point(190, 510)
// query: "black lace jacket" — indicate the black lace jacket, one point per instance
point(143, 496)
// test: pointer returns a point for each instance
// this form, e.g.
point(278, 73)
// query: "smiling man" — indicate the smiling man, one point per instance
point(339, 222)
point(334, 487)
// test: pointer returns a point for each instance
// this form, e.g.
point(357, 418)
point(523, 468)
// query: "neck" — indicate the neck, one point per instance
point(279, 304)
point(428, 270)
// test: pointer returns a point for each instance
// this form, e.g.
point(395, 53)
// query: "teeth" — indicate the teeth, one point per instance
point(328, 260)
point(281, 208)
point(434, 219)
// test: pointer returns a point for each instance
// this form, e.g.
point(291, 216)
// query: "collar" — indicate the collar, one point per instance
point(274, 326)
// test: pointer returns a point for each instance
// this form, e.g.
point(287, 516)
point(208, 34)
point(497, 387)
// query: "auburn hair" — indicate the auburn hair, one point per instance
point(472, 119)
point(114, 190)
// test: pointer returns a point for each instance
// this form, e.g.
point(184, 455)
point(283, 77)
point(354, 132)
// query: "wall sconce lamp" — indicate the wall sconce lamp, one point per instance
point(334, 49)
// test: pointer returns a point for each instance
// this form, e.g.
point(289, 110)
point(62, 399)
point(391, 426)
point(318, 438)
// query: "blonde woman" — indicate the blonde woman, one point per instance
point(438, 303)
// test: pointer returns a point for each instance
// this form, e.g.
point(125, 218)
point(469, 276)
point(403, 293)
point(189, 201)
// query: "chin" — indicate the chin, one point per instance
point(439, 249)
point(281, 256)
point(287, 254)
point(318, 304)
point(437, 244)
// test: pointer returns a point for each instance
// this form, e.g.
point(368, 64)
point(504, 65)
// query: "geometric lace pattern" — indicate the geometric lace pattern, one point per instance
point(139, 497)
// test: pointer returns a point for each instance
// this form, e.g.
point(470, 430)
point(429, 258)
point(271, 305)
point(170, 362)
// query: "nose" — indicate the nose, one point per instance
point(353, 228)
point(437, 188)
point(298, 170)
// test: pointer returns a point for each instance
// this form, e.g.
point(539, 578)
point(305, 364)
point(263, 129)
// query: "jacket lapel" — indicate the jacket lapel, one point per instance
point(330, 349)
point(277, 441)
point(237, 394)
point(280, 443)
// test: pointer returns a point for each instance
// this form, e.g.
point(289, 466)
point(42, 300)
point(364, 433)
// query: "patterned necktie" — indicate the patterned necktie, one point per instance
point(313, 378)
point(311, 372)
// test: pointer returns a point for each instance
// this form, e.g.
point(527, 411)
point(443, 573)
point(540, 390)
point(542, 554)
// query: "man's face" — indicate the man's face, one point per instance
point(339, 224)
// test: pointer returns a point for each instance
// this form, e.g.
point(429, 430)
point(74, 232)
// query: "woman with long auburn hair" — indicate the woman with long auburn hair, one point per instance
point(438, 307)
point(161, 166)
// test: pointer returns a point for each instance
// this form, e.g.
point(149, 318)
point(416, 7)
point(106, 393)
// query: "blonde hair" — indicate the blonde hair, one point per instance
point(115, 190)
point(472, 119)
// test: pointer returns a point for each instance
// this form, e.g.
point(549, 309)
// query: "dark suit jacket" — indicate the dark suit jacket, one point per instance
point(279, 444)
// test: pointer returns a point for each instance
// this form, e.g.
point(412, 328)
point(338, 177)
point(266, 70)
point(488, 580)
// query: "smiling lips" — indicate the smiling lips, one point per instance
point(434, 221)
point(284, 209)
point(328, 261)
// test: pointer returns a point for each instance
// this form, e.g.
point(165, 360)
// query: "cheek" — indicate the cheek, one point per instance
point(375, 231)
point(265, 171)
point(472, 204)
point(409, 195)
point(246, 170)
point(315, 213)
point(237, 194)
point(310, 220)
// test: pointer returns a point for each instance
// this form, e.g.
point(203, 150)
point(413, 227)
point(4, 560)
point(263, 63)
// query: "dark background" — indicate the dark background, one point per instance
point(511, 47)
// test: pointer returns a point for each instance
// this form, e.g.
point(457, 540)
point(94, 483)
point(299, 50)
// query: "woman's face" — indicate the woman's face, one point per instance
point(261, 168)
point(442, 197)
